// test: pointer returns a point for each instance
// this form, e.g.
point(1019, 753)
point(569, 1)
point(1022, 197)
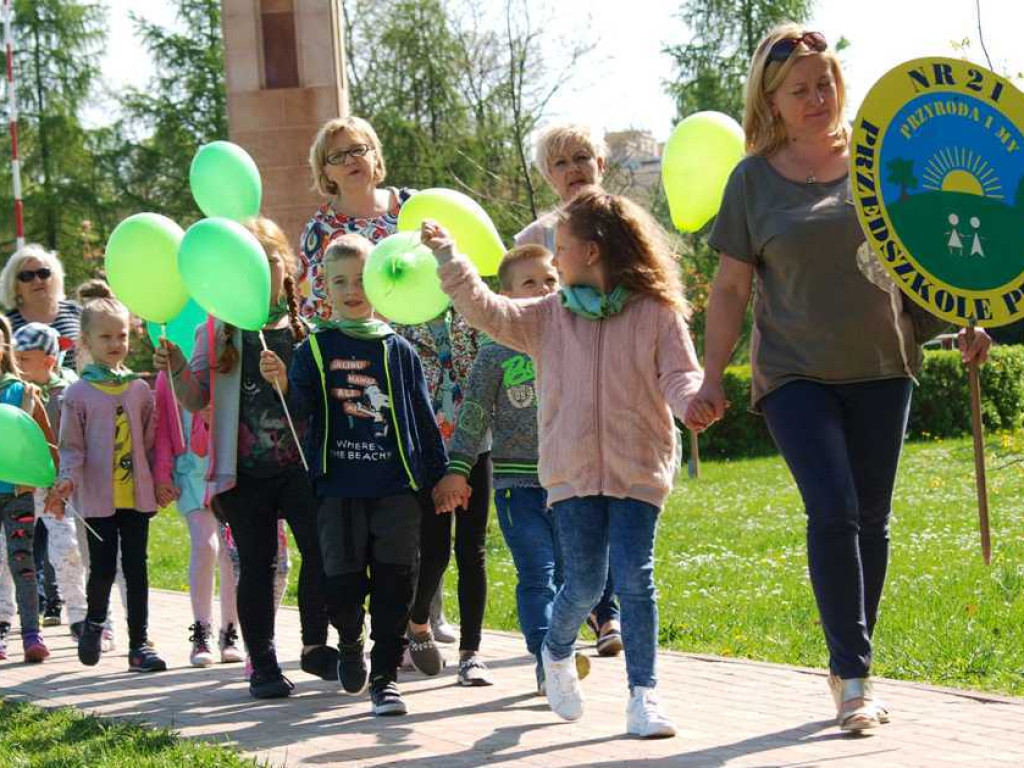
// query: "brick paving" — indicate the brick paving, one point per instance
point(730, 713)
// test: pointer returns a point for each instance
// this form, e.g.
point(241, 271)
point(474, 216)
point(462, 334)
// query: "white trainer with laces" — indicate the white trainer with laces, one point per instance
point(562, 685)
point(644, 717)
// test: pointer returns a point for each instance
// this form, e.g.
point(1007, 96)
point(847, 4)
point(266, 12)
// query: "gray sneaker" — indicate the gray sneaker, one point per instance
point(473, 672)
point(425, 654)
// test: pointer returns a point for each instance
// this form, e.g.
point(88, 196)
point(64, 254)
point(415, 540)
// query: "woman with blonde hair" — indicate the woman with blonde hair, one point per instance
point(347, 164)
point(835, 347)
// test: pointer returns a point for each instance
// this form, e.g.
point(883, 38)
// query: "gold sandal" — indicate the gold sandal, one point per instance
point(848, 716)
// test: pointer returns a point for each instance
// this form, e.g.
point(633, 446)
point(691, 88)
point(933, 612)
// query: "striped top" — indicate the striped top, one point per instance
point(67, 324)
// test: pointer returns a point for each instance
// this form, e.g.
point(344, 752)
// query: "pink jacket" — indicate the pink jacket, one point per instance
point(607, 388)
point(168, 435)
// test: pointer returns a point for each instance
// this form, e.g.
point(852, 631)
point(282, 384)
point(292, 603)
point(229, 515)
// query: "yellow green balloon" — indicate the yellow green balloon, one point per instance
point(225, 181)
point(141, 262)
point(401, 282)
point(468, 223)
point(226, 272)
point(695, 166)
point(24, 455)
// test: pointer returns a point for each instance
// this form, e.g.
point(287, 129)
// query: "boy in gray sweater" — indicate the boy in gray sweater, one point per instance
point(501, 397)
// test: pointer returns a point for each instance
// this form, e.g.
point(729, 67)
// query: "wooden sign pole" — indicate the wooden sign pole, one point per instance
point(979, 450)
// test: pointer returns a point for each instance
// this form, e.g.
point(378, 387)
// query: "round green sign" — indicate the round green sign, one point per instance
point(937, 172)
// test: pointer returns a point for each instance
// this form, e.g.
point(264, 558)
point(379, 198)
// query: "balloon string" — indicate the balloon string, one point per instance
point(287, 413)
point(174, 394)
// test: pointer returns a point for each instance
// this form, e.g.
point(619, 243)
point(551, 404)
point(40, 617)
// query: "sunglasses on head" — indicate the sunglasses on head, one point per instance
point(28, 275)
point(782, 50)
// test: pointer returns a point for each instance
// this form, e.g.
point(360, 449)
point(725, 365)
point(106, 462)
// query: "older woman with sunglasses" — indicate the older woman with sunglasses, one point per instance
point(835, 347)
point(32, 290)
point(347, 164)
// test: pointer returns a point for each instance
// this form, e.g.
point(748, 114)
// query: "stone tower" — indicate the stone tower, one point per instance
point(285, 62)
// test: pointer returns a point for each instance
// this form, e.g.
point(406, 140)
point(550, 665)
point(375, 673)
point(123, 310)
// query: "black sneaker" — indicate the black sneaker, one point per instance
point(321, 661)
point(75, 627)
point(51, 616)
point(5, 629)
point(144, 659)
point(385, 697)
point(352, 672)
point(89, 643)
point(269, 684)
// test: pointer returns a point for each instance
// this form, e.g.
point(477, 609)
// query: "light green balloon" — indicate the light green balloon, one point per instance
point(225, 181)
point(695, 166)
point(141, 261)
point(225, 270)
point(401, 282)
point(24, 455)
point(470, 226)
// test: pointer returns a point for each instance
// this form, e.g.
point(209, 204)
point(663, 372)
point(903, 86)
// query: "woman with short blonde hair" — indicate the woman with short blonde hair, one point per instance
point(346, 162)
point(835, 346)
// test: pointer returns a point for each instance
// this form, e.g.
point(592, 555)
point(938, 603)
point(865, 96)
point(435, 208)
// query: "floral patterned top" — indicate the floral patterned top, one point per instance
point(326, 225)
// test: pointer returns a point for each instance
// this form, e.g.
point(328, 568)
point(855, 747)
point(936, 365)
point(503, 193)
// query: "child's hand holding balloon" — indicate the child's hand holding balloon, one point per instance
point(168, 357)
point(437, 239)
point(273, 370)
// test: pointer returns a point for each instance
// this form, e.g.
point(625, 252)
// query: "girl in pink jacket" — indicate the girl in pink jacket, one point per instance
point(614, 361)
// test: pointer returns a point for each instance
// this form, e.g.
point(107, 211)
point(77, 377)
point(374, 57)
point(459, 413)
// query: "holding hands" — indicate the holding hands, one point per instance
point(707, 406)
point(451, 494)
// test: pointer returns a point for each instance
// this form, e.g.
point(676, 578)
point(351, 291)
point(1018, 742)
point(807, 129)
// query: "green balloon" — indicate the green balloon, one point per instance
point(182, 329)
point(141, 261)
point(401, 282)
point(469, 225)
point(695, 166)
point(225, 181)
point(24, 455)
point(225, 270)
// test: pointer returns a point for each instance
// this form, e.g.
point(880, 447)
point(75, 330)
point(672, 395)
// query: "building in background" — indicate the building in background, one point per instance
point(285, 63)
point(634, 164)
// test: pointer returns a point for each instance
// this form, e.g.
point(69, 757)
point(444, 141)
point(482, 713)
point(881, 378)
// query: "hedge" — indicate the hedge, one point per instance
point(940, 406)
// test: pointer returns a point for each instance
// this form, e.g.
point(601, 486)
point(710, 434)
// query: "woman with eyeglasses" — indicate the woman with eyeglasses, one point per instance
point(32, 290)
point(347, 164)
point(835, 347)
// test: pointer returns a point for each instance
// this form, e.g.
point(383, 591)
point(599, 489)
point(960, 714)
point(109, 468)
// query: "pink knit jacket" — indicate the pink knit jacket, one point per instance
point(607, 388)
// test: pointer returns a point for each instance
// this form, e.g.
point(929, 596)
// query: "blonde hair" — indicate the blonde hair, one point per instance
point(9, 275)
point(98, 300)
point(518, 255)
point(8, 363)
point(765, 131)
point(555, 139)
point(635, 251)
point(318, 151)
point(349, 245)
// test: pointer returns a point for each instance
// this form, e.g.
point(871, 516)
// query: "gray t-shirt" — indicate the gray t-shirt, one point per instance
point(824, 308)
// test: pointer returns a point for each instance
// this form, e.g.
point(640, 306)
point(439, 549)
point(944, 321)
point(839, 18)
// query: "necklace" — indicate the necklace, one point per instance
point(811, 178)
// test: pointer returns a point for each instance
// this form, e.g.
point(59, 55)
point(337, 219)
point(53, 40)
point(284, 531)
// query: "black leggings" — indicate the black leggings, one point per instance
point(252, 509)
point(130, 530)
point(470, 547)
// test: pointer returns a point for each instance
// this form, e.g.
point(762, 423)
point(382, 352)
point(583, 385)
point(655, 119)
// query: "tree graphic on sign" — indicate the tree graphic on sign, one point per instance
point(901, 172)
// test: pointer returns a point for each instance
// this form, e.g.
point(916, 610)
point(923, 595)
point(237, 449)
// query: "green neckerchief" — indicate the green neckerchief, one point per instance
point(277, 311)
point(369, 329)
point(7, 379)
point(95, 373)
point(590, 303)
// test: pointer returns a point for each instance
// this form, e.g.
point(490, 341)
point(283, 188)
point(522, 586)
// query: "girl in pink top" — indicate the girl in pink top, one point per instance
point(614, 360)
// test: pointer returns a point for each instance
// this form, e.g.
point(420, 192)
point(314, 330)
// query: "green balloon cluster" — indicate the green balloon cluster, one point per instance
point(141, 264)
point(695, 166)
point(401, 282)
point(225, 182)
point(469, 225)
point(24, 455)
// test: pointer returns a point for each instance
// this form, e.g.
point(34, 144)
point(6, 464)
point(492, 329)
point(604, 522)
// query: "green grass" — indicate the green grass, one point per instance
point(731, 570)
point(32, 737)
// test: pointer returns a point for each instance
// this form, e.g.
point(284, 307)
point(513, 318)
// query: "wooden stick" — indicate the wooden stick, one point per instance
point(287, 413)
point(979, 450)
point(174, 394)
point(89, 528)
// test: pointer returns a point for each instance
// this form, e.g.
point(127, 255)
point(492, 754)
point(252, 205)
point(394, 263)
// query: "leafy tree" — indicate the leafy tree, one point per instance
point(901, 171)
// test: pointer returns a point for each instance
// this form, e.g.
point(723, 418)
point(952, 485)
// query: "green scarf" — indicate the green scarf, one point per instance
point(7, 379)
point(590, 303)
point(95, 373)
point(277, 311)
point(369, 329)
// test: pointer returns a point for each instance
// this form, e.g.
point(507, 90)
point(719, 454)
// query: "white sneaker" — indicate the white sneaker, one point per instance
point(201, 655)
point(107, 642)
point(230, 653)
point(562, 686)
point(644, 717)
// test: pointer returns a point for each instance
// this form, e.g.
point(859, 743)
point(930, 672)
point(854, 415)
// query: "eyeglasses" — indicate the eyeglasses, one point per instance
point(782, 50)
point(28, 275)
point(339, 157)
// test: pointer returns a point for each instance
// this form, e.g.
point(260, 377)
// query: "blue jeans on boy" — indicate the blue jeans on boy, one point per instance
point(528, 525)
point(594, 531)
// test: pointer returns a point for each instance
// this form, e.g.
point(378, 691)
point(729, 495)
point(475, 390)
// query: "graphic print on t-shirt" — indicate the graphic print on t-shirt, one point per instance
point(364, 401)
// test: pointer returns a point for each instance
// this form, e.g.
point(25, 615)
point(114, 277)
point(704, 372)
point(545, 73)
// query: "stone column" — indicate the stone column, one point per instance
point(285, 62)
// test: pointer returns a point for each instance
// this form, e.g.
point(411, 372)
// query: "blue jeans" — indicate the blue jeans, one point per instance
point(528, 525)
point(842, 443)
point(595, 531)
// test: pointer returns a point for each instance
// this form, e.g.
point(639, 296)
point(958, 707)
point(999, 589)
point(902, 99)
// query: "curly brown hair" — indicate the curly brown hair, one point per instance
point(635, 251)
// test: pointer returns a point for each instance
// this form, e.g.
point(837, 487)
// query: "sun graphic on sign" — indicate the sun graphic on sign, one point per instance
point(957, 169)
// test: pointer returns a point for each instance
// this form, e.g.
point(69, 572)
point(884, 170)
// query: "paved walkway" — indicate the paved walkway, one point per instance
point(731, 713)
